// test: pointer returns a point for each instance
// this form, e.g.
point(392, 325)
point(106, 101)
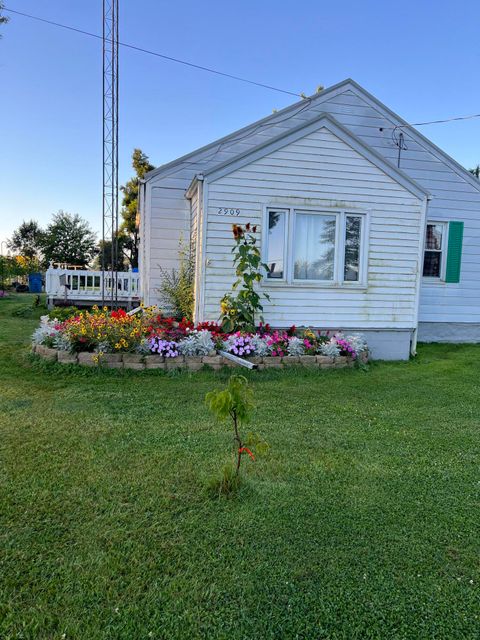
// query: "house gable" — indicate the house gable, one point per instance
point(326, 122)
point(330, 100)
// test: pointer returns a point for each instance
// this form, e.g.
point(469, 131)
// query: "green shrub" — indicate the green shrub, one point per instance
point(176, 289)
point(62, 313)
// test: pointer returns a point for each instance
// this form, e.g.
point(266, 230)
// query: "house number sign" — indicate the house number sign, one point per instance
point(225, 211)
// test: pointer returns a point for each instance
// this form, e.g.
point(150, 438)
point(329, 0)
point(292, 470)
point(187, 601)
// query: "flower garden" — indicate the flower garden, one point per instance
point(148, 339)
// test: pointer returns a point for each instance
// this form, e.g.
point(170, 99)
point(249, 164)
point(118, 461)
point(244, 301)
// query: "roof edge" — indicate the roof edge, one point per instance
point(455, 166)
point(323, 119)
point(168, 165)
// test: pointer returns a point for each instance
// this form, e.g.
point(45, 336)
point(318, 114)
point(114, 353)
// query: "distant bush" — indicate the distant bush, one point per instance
point(62, 313)
point(25, 311)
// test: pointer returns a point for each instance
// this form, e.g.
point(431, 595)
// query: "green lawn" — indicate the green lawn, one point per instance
point(363, 521)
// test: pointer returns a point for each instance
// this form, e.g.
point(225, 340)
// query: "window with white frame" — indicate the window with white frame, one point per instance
point(306, 245)
point(435, 250)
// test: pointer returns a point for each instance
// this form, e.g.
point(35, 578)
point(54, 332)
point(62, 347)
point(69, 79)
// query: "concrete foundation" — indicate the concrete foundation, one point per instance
point(455, 332)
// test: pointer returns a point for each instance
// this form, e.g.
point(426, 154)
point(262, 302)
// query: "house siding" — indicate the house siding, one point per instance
point(301, 174)
point(452, 196)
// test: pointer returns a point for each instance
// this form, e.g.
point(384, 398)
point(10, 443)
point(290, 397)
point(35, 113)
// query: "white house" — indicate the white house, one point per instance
point(364, 223)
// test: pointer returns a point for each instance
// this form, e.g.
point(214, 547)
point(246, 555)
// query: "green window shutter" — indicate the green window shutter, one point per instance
point(454, 255)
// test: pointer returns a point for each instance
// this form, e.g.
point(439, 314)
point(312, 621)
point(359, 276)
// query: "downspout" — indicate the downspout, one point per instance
point(202, 262)
point(141, 232)
point(423, 229)
point(198, 248)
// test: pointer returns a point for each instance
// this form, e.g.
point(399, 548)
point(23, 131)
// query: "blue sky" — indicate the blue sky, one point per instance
point(420, 58)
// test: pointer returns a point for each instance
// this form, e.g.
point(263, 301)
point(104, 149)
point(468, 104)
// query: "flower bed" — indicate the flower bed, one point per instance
point(149, 340)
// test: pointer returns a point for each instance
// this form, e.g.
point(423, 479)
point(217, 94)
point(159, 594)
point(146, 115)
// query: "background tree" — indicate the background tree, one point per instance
point(106, 249)
point(3, 19)
point(129, 227)
point(476, 171)
point(69, 238)
point(26, 241)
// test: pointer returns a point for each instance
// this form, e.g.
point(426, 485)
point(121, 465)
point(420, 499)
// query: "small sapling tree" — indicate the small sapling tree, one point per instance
point(235, 403)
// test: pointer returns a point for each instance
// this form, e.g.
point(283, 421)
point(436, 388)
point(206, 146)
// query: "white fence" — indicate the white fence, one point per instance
point(71, 285)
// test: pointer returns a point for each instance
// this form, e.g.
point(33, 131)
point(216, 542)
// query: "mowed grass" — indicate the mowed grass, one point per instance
point(362, 522)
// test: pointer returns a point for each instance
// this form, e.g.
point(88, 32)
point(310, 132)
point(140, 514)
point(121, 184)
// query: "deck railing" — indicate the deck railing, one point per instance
point(82, 284)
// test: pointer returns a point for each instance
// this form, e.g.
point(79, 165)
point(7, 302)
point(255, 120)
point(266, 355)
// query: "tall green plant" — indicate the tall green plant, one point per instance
point(176, 289)
point(240, 311)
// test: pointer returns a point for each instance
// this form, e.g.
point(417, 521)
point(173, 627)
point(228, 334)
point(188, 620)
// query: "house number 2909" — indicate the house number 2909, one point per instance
point(224, 211)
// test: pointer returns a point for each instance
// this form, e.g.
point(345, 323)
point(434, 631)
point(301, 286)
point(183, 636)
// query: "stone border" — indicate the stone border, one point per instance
point(192, 363)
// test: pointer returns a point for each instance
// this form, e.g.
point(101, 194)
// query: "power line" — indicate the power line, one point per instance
point(158, 55)
point(219, 73)
point(420, 124)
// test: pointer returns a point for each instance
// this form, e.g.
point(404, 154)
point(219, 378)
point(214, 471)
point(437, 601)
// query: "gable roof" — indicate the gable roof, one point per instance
point(326, 121)
point(271, 119)
point(291, 111)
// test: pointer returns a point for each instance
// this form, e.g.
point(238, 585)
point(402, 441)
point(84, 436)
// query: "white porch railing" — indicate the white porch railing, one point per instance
point(82, 284)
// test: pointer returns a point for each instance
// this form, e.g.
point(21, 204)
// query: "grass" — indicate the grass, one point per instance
point(361, 523)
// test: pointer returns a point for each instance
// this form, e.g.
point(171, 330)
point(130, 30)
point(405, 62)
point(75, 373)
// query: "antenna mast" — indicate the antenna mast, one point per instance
point(110, 151)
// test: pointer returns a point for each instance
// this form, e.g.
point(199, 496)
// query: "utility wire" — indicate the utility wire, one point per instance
point(215, 71)
point(420, 124)
point(158, 55)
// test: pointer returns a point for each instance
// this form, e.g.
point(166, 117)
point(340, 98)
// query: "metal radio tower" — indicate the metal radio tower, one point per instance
point(110, 150)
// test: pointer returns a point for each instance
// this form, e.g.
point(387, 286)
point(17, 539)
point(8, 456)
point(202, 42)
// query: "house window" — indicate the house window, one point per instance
point(435, 245)
point(315, 246)
point(276, 244)
point(314, 249)
point(353, 237)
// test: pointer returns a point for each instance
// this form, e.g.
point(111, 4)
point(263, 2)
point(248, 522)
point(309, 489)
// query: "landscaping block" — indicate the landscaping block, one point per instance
point(86, 358)
point(154, 362)
point(324, 359)
point(47, 353)
point(132, 358)
point(194, 366)
point(213, 360)
point(268, 360)
point(111, 357)
point(307, 360)
point(229, 363)
point(256, 359)
point(341, 360)
point(189, 359)
point(65, 357)
point(290, 360)
point(175, 363)
point(138, 366)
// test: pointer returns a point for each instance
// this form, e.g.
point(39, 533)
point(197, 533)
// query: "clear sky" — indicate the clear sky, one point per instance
point(421, 58)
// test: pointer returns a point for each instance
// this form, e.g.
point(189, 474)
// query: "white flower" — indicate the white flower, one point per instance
point(330, 348)
point(295, 346)
point(260, 345)
point(357, 341)
point(197, 343)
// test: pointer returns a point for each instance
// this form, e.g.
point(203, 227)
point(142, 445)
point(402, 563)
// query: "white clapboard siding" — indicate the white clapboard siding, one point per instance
point(388, 300)
point(452, 195)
